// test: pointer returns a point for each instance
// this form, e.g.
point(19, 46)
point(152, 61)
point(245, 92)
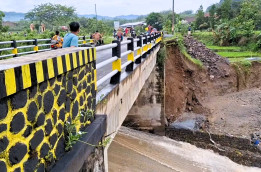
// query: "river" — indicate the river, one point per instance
point(135, 151)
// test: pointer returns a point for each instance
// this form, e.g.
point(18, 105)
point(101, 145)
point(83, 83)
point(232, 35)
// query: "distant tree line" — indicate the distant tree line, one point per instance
point(232, 22)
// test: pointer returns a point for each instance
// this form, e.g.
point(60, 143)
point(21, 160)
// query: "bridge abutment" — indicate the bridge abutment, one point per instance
point(119, 99)
point(147, 113)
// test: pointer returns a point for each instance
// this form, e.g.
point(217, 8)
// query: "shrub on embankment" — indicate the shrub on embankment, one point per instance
point(245, 43)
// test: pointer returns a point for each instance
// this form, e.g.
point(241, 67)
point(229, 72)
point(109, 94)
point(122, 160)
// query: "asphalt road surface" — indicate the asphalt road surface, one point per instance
point(105, 55)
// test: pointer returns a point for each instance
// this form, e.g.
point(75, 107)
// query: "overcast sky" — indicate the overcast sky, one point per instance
point(110, 7)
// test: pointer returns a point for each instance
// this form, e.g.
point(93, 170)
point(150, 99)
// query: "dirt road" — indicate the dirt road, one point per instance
point(237, 114)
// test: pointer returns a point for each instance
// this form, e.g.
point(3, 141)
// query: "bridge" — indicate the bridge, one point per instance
point(57, 108)
point(17, 48)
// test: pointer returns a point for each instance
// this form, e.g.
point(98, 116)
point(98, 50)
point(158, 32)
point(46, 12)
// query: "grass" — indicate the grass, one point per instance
point(195, 61)
point(239, 54)
point(108, 39)
point(183, 49)
point(220, 48)
point(204, 37)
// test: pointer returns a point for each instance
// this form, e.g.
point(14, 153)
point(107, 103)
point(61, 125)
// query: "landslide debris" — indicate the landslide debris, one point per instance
point(217, 66)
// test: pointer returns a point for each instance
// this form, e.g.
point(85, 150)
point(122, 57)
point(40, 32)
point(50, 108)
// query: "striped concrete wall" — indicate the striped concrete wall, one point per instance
point(37, 98)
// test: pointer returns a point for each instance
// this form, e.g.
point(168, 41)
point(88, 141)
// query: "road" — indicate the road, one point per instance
point(105, 55)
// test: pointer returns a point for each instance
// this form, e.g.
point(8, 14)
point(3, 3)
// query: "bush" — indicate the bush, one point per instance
point(258, 44)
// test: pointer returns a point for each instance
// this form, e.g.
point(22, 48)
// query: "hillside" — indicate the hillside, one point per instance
point(221, 2)
point(14, 17)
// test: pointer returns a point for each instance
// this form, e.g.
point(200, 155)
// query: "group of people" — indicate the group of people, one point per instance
point(97, 38)
point(128, 32)
point(151, 30)
point(71, 39)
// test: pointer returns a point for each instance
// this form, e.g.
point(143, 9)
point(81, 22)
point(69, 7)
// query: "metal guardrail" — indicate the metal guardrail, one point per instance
point(145, 44)
point(35, 47)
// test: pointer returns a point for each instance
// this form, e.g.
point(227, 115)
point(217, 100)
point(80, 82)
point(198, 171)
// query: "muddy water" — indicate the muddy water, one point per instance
point(133, 151)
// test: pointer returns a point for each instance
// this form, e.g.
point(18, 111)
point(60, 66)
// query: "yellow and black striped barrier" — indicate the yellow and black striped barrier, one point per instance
point(16, 79)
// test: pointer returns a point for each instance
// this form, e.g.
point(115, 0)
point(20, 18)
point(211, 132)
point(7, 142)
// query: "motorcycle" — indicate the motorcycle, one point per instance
point(54, 44)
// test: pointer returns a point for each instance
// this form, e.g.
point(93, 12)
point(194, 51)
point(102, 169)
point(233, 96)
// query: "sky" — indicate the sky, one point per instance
point(110, 8)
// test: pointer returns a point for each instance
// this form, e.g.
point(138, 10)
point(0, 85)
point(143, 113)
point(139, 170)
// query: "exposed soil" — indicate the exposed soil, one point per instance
point(236, 114)
point(226, 96)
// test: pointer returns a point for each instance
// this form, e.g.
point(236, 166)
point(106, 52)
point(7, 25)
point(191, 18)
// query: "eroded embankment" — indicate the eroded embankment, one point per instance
point(204, 91)
point(189, 85)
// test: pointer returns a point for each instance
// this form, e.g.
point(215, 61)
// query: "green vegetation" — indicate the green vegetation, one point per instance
point(108, 39)
point(220, 48)
point(161, 57)
point(155, 20)
point(51, 15)
point(2, 28)
point(72, 136)
point(234, 31)
point(239, 54)
point(204, 37)
point(232, 23)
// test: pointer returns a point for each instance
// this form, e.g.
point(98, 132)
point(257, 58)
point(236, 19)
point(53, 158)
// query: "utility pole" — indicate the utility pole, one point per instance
point(96, 18)
point(173, 18)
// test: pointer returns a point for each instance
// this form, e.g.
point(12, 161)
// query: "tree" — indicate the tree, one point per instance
point(155, 20)
point(52, 14)
point(248, 17)
point(212, 16)
point(225, 10)
point(200, 17)
point(2, 15)
point(188, 12)
point(89, 26)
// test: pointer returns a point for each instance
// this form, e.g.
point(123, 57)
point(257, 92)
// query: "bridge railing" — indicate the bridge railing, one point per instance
point(145, 44)
point(13, 48)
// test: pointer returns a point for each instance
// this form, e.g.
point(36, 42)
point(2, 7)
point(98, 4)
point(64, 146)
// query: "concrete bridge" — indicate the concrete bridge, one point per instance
point(47, 101)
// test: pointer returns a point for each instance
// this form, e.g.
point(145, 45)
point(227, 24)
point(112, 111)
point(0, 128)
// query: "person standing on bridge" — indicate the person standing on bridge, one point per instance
point(71, 39)
point(57, 40)
point(119, 35)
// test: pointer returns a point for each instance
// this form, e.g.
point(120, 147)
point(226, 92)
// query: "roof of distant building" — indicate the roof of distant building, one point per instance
point(190, 19)
point(133, 24)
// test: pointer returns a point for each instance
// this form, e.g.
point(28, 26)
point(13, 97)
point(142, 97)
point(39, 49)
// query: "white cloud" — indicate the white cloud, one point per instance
point(110, 7)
